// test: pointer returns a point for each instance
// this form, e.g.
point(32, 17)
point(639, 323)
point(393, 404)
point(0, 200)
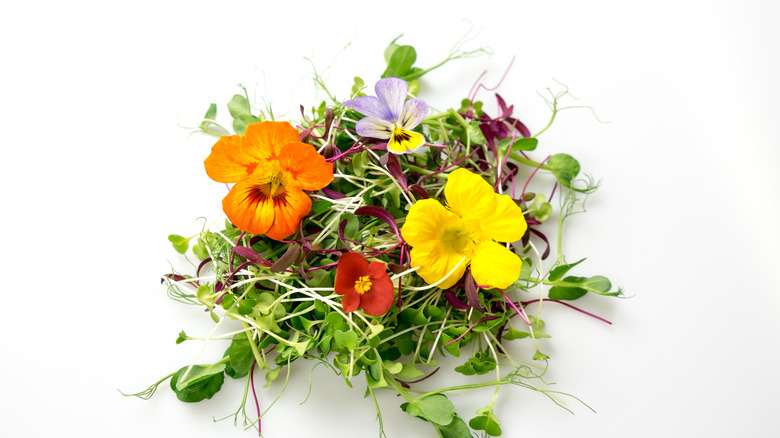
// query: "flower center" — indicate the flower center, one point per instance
point(400, 135)
point(271, 182)
point(363, 284)
point(457, 238)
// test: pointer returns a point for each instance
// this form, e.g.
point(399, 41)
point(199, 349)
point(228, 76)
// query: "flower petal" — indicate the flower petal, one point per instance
point(269, 137)
point(230, 161)
point(351, 301)
point(289, 210)
point(469, 195)
point(248, 208)
point(507, 223)
point(435, 263)
point(392, 93)
point(495, 266)
point(413, 112)
point(374, 128)
point(379, 299)
point(370, 106)
point(404, 141)
point(307, 167)
point(350, 268)
point(425, 222)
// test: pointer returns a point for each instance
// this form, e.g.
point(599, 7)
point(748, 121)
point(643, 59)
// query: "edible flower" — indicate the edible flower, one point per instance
point(364, 285)
point(271, 168)
point(445, 240)
point(389, 118)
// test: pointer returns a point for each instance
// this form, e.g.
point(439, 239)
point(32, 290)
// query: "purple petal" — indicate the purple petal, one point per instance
point(374, 128)
point(413, 112)
point(370, 106)
point(392, 93)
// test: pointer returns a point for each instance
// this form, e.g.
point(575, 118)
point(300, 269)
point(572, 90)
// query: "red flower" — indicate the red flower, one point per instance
point(365, 285)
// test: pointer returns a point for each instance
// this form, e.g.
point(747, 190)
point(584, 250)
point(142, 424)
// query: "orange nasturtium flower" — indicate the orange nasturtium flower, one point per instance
point(270, 168)
point(466, 231)
point(365, 285)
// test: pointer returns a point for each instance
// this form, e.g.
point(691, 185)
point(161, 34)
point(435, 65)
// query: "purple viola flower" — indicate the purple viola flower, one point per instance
point(389, 118)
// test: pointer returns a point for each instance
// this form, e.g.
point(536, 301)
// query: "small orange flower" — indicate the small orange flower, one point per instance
point(270, 168)
point(365, 285)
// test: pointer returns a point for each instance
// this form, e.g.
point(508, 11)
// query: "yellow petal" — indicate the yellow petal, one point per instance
point(469, 195)
point(425, 221)
point(507, 223)
point(495, 266)
point(435, 263)
point(403, 141)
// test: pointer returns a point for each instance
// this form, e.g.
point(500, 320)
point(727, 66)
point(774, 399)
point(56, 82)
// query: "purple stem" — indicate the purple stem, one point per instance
point(532, 175)
point(254, 393)
point(511, 303)
point(569, 306)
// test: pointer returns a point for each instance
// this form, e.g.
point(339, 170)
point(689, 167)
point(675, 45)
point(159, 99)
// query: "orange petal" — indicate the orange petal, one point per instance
point(289, 209)
point(248, 208)
point(307, 167)
point(270, 137)
point(230, 161)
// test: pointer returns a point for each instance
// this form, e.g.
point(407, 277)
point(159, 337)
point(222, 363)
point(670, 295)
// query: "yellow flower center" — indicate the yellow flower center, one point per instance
point(363, 284)
point(271, 181)
point(457, 238)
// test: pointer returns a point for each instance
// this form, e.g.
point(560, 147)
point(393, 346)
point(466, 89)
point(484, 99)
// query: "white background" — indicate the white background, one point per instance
point(98, 167)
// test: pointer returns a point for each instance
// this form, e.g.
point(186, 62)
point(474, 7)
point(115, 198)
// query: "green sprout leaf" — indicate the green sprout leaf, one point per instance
point(436, 408)
point(202, 382)
point(180, 244)
point(564, 167)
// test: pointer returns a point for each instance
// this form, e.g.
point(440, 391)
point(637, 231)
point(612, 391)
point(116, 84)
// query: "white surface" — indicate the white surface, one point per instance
point(96, 172)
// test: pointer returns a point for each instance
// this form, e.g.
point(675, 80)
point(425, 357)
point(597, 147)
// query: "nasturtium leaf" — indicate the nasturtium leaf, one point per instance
point(559, 271)
point(436, 408)
point(346, 339)
point(180, 244)
point(564, 167)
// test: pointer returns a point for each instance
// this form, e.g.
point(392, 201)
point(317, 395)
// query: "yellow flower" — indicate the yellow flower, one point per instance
point(466, 231)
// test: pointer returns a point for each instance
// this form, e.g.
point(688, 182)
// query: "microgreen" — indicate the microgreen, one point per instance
point(378, 264)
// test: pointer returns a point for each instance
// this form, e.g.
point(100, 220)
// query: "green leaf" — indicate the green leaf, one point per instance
point(358, 86)
point(200, 251)
point(346, 340)
point(270, 376)
point(597, 283)
point(436, 408)
point(565, 293)
point(182, 337)
point(241, 122)
point(487, 421)
point(409, 371)
point(319, 206)
point(400, 62)
point(540, 356)
point(456, 429)
point(558, 272)
point(515, 334)
point(180, 244)
point(208, 382)
point(352, 227)
point(238, 106)
point(240, 352)
point(211, 113)
point(564, 167)
point(519, 144)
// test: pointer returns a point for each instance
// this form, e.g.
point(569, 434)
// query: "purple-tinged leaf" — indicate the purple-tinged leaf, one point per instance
point(290, 257)
point(380, 213)
point(248, 253)
point(390, 161)
point(329, 116)
point(333, 194)
point(472, 295)
point(455, 301)
point(505, 111)
point(419, 191)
